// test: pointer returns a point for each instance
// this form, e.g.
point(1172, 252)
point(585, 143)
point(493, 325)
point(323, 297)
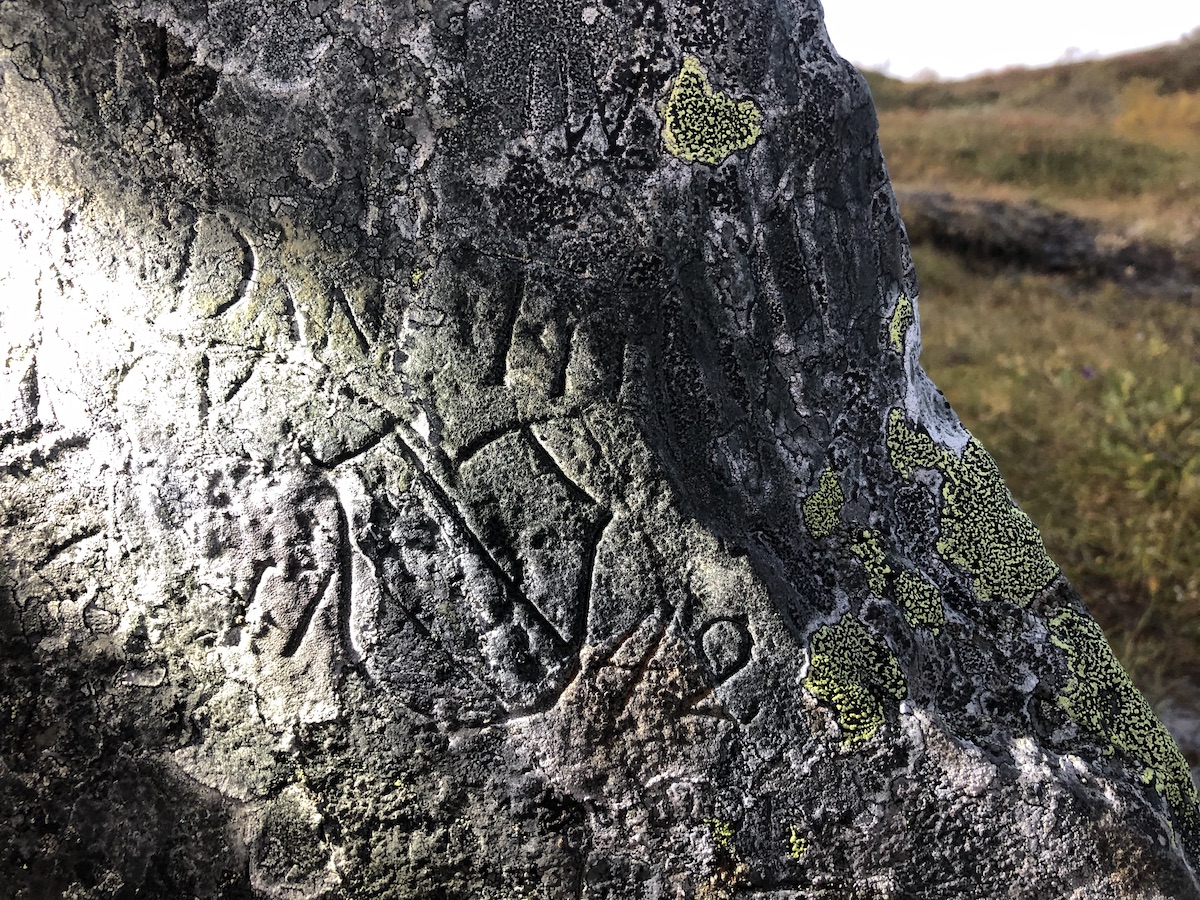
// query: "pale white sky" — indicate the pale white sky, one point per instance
point(957, 38)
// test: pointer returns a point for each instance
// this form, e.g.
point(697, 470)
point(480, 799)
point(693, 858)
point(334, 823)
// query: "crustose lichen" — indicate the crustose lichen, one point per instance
point(703, 125)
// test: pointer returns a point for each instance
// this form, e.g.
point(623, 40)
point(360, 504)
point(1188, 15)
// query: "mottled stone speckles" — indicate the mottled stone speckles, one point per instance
point(1100, 697)
point(703, 125)
point(917, 595)
point(821, 507)
point(853, 671)
point(902, 319)
point(982, 531)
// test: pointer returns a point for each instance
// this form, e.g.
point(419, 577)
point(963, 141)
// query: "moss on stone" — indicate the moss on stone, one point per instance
point(821, 508)
point(703, 125)
point(902, 318)
point(853, 671)
point(1100, 697)
point(868, 549)
point(921, 601)
point(981, 530)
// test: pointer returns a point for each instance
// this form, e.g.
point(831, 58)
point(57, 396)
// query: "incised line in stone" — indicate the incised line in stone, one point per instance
point(249, 268)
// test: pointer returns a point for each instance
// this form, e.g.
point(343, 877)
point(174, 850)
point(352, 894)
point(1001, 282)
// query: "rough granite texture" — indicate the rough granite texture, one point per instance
point(479, 450)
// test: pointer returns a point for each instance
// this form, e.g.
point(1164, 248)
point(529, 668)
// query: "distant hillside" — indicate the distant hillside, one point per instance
point(1088, 86)
point(1112, 140)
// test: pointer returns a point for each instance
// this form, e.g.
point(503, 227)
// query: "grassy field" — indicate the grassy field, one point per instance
point(1117, 140)
point(1088, 395)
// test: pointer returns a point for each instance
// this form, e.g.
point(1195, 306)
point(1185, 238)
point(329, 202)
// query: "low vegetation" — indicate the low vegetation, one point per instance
point(1090, 402)
point(1117, 140)
point(1086, 392)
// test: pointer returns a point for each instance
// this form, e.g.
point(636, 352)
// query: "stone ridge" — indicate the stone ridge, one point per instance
point(420, 484)
point(703, 125)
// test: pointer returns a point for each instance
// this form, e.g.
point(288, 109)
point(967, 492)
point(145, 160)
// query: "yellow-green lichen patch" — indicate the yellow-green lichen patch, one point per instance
point(981, 529)
point(852, 671)
point(415, 278)
point(703, 125)
point(722, 836)
point(902, 318)
point(821, 508)
point(1100, 697)
point(870, 551)
point(910, 449)
point(921, 602)
point(797, 844)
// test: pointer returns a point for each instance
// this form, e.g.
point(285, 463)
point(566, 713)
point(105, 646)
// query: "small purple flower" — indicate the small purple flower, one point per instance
point(1087, 372)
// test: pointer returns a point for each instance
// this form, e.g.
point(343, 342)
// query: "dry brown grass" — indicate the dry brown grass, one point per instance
point(1117, 140)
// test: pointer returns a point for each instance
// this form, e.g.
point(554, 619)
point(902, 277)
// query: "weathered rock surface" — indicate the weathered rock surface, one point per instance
point(480, 450)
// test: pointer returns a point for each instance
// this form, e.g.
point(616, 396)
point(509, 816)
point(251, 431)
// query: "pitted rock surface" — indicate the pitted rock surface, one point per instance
point(480, 449)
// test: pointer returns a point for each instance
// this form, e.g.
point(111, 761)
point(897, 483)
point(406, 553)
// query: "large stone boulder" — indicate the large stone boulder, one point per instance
point(479, 449)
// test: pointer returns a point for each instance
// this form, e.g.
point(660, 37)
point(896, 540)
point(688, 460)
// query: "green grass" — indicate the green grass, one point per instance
point(1089, 400)
point(1050, 156)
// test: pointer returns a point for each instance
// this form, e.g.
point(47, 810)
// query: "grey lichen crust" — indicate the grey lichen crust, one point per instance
point(479, 450)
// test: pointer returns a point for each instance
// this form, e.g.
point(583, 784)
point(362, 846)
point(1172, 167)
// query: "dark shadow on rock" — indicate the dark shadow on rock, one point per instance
point(92, 807)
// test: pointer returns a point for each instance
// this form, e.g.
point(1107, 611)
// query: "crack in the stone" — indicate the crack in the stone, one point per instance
point(59, 547)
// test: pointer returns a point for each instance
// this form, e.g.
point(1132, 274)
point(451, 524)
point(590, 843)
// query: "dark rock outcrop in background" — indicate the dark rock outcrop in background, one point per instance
point(480, 450)
point(1034, 237)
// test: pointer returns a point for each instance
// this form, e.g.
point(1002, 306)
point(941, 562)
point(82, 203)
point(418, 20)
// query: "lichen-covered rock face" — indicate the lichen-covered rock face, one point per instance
point(479, 450)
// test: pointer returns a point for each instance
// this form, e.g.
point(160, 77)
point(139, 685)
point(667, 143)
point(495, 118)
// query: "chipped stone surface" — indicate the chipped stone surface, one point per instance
point(480, 450)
